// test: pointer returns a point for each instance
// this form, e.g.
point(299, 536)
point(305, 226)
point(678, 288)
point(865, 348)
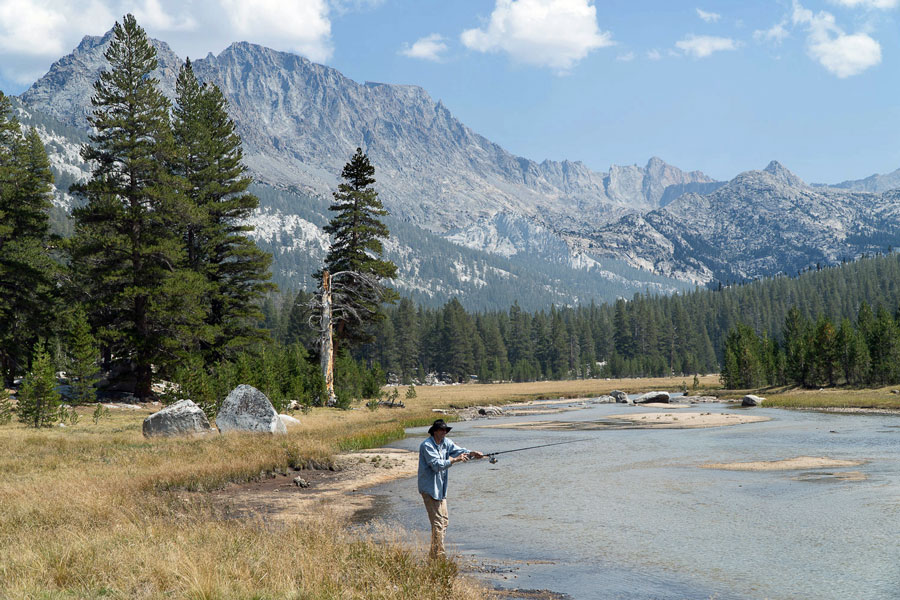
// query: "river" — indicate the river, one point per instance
point(629, 514)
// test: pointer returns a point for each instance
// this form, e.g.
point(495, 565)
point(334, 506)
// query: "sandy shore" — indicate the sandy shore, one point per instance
point(329, 492)
point(787, 464)
point(646, 420)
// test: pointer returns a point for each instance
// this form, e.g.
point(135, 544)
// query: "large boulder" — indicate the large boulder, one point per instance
point(247, 409)
point(182, 418)
point(751, 400)
point(653, 397)
point(621, 397)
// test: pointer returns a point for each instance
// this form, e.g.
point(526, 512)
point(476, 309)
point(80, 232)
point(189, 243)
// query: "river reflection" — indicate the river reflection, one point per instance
point(630, 514)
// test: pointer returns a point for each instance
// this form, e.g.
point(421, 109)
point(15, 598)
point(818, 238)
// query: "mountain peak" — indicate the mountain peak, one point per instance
point(781, 173)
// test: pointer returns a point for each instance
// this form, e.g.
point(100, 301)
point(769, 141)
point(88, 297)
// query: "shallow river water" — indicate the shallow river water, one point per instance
point(630, 514)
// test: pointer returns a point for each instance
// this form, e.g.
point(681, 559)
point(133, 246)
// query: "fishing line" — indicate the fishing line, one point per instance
point(493, 455)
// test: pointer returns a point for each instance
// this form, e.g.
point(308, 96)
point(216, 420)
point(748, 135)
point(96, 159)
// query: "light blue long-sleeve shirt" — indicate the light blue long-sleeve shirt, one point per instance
point(434, 460)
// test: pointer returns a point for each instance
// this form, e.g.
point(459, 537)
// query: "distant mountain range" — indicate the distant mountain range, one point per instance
point(469, 218)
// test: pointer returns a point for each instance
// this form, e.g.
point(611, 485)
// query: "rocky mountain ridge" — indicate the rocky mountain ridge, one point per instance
point(761, 223)
point(468, 216)
point(300, 121)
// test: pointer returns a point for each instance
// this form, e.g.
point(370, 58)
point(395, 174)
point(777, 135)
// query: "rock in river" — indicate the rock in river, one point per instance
point(655, 397)
point(621, 397)
point(751, 400)
point(182, 418)
point(248, 409)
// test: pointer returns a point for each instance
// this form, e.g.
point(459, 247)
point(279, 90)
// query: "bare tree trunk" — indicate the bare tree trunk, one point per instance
point(327, 340)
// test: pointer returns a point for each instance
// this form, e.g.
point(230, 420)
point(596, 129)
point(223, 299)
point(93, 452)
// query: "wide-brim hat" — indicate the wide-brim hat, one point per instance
point(439, 424)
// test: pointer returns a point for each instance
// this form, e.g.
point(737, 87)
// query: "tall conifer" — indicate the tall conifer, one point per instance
point(208, 157)
point(126, 248)
point(357, 233)
point(25, 267)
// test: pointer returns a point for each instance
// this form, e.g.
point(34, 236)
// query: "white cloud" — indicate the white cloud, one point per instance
point(300, 26)
point(34, 33)
point(427, 48)
point(701, 46)
point(151, 14)
point(840, 53)
point(627, 57)
point(775, 34)
point(546, 33)
point(709, 17)
point(880, 4)
point(654, 54)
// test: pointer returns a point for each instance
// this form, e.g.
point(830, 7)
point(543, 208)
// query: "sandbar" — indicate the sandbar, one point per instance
point(787, 464)
point(648, 420)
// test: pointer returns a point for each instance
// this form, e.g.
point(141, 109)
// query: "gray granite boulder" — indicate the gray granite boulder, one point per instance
point(248, 409)
point(751, 400)
point(182, 418)
point(604, 400)
point(655, 397)
point(621, 397)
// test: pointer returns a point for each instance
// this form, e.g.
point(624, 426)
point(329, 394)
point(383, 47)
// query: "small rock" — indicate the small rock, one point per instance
point(619, 396)
point(751, 400)
point(604, 400)
point(288, 420)
point(491, 411)
point(300, 482)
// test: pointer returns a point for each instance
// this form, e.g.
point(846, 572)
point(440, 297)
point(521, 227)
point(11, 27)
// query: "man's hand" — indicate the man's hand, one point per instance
point(475, 454)
point(460, 458)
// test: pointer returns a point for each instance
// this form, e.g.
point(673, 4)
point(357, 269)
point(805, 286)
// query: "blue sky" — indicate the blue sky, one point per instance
point(719, 86)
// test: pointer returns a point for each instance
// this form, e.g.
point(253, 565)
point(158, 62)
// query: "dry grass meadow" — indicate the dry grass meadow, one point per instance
point(93, 511)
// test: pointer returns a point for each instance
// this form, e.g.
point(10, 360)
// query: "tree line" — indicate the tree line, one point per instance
point(648, 335)
point(817, 352)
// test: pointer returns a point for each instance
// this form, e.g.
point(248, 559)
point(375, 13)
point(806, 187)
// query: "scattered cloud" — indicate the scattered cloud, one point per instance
point(546, 33)
point(701, 46)
point(709, 17)
point(654, 54)
point(303, 27)
point(427, 48)
point(842, 54)
point(34, 33)
point(879, 4)
point(775, 34)
point(627, 57)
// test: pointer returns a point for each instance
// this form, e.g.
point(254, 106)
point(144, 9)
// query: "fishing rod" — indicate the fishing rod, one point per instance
point(493, 455)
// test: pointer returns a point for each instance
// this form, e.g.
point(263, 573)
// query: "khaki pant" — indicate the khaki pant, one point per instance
point(439, 519)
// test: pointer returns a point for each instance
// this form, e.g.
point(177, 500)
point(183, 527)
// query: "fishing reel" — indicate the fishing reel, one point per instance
point(493, 460)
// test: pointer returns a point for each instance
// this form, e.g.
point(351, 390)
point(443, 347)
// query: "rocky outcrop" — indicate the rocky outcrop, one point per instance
point(751, 400)
point(182, 418)
point(248, 409)
point(619, 396)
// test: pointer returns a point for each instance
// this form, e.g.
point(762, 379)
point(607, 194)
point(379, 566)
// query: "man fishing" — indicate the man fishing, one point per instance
point(436, 454)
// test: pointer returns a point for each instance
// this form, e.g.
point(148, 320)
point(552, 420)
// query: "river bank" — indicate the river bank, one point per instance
point(675, 513)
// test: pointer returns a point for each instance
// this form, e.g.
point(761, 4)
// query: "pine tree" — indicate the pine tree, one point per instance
point(208, 157)
point(38, 399)
point(357, 233)
point(127, 248)
point(83, 359)
point(407, 328)
point(26, 270)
